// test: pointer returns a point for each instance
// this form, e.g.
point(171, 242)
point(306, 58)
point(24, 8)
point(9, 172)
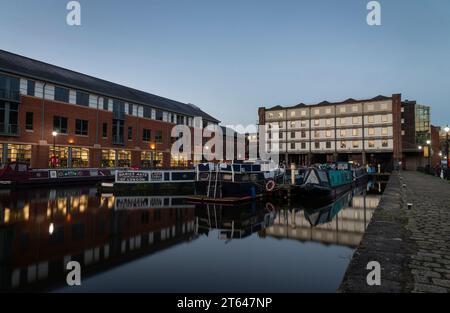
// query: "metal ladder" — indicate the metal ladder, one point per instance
point(214, 187)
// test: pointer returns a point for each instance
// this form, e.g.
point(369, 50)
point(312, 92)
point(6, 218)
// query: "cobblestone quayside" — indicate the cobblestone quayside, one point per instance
point(412, 246)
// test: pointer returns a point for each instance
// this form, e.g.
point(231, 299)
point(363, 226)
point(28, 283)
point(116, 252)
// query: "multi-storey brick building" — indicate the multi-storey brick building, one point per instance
point(47, 111)
point(362, 131)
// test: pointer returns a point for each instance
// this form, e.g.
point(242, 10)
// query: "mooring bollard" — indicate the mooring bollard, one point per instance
point(409, 206)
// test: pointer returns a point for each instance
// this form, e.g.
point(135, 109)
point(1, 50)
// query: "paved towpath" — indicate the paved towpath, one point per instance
point(412, 246)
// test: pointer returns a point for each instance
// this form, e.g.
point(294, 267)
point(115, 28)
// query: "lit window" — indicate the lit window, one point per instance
point(384, 131)
point(355, 132)
point(292, 124)
point(355, 144)
point(371, 144)
point(384, 118)
point(384, 144)
point(371, 131)
point(343, 145)
point(355, 120)
point(371, 119)
point(280, 114)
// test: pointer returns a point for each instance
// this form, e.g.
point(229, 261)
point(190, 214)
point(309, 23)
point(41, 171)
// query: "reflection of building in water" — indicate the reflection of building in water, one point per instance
point(346, 229)
point(233, 222)
point(43, 230)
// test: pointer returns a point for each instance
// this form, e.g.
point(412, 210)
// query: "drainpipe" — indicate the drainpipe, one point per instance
point(43, 111)
point(96, 124)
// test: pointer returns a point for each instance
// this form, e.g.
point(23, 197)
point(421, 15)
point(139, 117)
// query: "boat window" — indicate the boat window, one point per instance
point(236, 167)
point(323, 176)
point(22, 167)
point(247, 167)
point(256, 168)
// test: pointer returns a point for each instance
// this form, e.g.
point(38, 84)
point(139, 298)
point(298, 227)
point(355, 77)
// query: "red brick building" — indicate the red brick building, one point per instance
point(48, 112)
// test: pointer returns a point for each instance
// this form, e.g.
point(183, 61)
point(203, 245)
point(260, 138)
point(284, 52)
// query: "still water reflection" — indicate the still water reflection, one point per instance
point(163, 244)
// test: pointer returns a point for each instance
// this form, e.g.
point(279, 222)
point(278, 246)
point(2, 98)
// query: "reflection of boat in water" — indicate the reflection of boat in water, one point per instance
point(326, 214)
point(234, 222)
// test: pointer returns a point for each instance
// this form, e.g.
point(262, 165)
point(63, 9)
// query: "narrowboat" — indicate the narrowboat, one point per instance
point(237, 181)
point(16, 174)
point(176, 181)
point(317, 215)
point(326, 183)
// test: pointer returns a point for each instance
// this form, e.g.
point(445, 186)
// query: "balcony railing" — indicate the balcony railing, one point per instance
point(9, 130)
point(8, 94)
point(118, 140)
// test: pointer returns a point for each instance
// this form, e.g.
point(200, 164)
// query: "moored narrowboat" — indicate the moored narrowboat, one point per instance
point(238, 181)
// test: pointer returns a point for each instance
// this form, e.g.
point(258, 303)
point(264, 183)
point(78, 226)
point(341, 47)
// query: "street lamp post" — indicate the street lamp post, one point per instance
point(54, 134)
point(429, 156)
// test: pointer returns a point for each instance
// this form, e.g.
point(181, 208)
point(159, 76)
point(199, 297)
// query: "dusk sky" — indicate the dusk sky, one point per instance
point(231, 57)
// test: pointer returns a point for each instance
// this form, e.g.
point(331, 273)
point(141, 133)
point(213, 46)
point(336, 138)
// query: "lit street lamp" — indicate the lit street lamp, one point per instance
point(153, 152)
point(54, 134)
point(429, 155)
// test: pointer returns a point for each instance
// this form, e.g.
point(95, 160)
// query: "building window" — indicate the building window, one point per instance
point(403, 133)
point(371, 131)
point(317, 145)
point(280, 114)
point(19, 153)
point(384, 143)
point(384, 106)
point(124, 158)
point(31, 87)
point(158, 136)
point(159, 115)
point(130, 133)
point(81, 127)
point(130, 109)
point(80, 157)
point(343, 121)
point(371, 119)
point(280, 135)
point(343, 133)
point(328, 111)
point(293, 135)
point(292, 124)
point(384, 118)
point(303, 124)
point(316, 122)
point(147, 112)
point(342, 109)
point(355, 132)
point(109, 158)
point(280, 124)
point(303, 145)
point(29, 121)
point(355, 108)
point(146, 134)
point(328, 133)
point(293, 145)
point(151, 159)
point(371, 144)
point(270, 115)
point(329, 122)
point(384, 131)
point(355, 120)
point(61, 94)
point(105, 104)
point(60, 124)
point(292, 113)
point(355, 144)
point(303, 134)
point(370, 107)
point(328, 144)
point(343, 145)
point(82, 98)
point(61, 155)
point(316, 112)
point(316, 134)
point(105, 130)
point(303, 113)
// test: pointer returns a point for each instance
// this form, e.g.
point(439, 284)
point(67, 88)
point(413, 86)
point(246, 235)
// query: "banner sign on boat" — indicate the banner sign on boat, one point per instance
point(132, 176)
point(156, 176)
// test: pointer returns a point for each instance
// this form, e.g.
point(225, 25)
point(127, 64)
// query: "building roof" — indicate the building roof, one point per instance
point(326, 103)
point(30, 68)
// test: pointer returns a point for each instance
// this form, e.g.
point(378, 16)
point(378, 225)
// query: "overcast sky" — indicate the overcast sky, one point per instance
point(232, 56)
